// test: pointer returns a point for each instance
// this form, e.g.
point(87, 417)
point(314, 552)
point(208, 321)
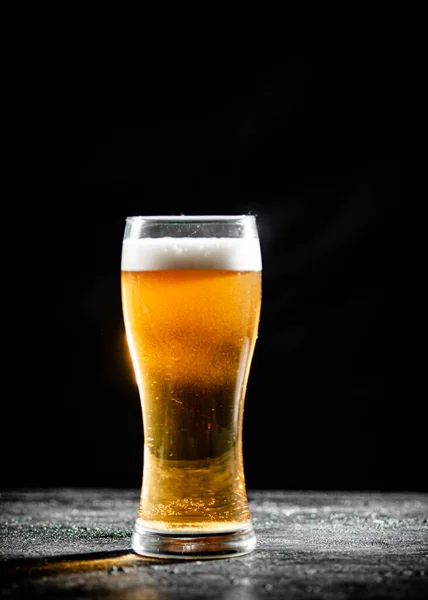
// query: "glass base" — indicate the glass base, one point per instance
point(192, 546)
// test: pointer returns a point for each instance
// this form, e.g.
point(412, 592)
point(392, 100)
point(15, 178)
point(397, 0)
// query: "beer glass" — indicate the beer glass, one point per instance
point(191, 294)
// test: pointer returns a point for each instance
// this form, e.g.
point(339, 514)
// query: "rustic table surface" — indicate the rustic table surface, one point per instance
point(76, 544)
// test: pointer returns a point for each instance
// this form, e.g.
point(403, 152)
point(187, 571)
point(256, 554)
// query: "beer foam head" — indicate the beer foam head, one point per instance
point(165, 253)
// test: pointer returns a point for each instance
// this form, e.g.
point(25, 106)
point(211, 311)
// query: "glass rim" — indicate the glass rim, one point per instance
point(191, 218)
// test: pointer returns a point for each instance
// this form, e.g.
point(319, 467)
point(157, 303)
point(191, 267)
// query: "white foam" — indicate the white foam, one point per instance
point(156, 254)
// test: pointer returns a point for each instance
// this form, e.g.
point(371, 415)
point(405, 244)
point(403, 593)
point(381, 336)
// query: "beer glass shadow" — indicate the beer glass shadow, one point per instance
point(118, 574)
point(115, 561)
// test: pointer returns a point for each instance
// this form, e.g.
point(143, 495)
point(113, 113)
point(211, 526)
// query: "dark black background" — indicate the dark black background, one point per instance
point(310, 143)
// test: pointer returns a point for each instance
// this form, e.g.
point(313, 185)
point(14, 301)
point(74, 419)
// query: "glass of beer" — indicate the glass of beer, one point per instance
point(191, 293)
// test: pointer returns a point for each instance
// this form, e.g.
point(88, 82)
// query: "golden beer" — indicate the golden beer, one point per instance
point(191, 334)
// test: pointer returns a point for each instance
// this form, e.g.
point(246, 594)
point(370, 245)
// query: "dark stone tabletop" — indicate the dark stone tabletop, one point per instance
point(74, 543)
